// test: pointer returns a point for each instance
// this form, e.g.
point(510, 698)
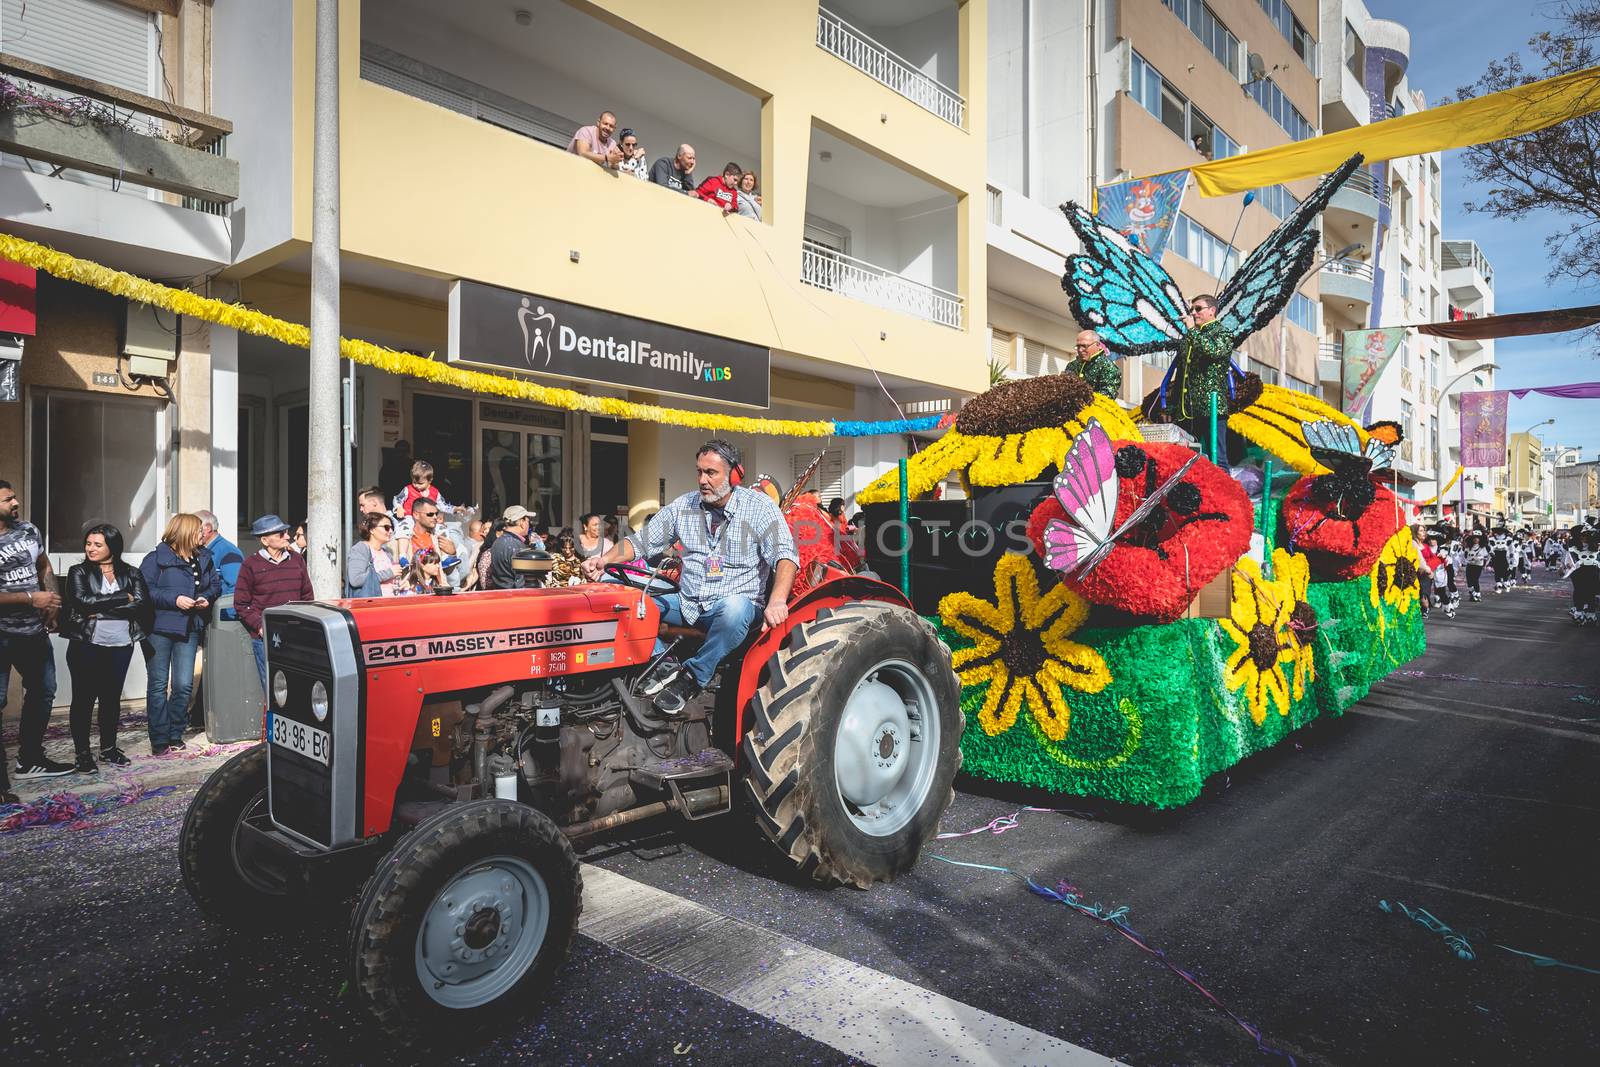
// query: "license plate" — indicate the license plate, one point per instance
point(308, 741)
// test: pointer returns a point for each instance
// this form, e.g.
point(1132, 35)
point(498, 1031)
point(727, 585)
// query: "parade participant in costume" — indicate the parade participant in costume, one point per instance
point(1500, 551)
point(1477, 558)
point(1428, 563)
point(1095, 365)
point(1584, 570)
point(1439, 567)
point(1524, 559)
point(1456, 560)
point(1135, 308)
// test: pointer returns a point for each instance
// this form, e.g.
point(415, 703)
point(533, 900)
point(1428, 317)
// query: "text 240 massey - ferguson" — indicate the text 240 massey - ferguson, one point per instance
point(447, 749)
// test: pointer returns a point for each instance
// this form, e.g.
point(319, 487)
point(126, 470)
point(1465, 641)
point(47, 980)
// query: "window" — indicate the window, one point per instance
point(1300, 385)
point(1405, 279)
point(1302, 311)
point(1265, 91)
point(97, 458)
point(1299, 38)
point(1268, 374)
point(1406, 419)
point(828, 480)
point(1405, 353)
point(1278, 200)
point(1433, 429)
point(1204, 24)
point(1355, 53)
point(1201, 247)
point(1433, 372)
point(1162, 99)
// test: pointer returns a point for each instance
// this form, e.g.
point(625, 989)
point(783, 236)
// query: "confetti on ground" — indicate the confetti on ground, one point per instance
point(73, 810)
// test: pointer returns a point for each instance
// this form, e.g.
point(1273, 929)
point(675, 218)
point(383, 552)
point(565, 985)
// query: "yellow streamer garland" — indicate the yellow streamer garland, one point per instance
point(1447, 486)
point(248, 320)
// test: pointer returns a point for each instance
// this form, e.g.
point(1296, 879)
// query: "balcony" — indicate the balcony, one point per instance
point(836, 272)
point(1467, 275)
point(86, 165)
point(1330, 362)
point(1347, 281)
point(868, 54)
point(1353, 211)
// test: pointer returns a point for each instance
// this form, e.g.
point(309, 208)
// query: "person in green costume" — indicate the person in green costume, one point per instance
point(1205, 359)
point(1095, 365)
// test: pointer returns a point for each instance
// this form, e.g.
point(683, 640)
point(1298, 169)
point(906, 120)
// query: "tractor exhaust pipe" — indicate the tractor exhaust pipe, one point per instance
point(694, 801)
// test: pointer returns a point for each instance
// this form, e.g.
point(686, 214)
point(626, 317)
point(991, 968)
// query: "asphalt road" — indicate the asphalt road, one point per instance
point(1465, 791)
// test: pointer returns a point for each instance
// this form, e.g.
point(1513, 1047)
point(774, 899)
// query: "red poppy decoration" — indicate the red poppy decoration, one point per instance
point(1340, 537)
point(1195, 533)
point(819, 544)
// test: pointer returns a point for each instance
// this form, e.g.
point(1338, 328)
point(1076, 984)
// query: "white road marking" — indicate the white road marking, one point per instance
point(859, 1011)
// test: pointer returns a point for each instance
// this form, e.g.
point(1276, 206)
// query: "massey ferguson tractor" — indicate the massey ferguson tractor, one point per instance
point(442, 753)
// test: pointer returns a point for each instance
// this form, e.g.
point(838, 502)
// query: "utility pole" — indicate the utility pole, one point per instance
point(324, 515)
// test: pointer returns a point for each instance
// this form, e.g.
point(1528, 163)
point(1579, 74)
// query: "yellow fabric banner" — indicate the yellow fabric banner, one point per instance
point(1471, 122)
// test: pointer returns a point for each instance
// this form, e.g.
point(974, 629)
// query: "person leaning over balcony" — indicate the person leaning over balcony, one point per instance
point(634, 159)
point(596, 144)
point(749, 195)
point(676, 172)
point(723, 191)
point(1095, 365)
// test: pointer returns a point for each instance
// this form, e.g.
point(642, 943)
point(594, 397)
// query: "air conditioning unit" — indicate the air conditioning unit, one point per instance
point(150, 347)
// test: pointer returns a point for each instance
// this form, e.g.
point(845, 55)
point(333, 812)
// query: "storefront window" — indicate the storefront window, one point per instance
point(502, 471)
point(544, 479)
point(96, 459)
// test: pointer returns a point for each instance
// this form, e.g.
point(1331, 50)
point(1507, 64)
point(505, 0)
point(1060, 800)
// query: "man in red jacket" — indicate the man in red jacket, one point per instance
point(267, 579)
point(723, 191)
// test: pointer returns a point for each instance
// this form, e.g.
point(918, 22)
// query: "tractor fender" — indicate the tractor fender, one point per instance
point(837, 589)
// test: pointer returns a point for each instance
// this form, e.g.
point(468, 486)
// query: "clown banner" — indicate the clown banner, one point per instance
point(1144, 210)
point(1366, 354)
point(1483, 428)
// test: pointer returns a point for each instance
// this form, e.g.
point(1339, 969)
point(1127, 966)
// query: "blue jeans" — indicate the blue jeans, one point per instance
point(35, 661)
point(171, 658)
point(259, 646)
point(726, 623)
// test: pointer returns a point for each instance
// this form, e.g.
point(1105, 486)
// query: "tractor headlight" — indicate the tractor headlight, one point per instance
point(280, 689)
point(319, 701)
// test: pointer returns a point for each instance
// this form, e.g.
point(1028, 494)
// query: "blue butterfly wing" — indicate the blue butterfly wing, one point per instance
point(1269, 275)
point(1119, 292)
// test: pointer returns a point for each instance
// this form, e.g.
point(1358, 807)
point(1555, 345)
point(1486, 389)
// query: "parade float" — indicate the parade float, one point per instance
point(1164, 613)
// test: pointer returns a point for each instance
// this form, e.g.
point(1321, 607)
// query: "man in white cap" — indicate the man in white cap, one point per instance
point(502, 575)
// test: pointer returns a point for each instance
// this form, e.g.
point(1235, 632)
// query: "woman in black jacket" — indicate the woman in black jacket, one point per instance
point(104, 615)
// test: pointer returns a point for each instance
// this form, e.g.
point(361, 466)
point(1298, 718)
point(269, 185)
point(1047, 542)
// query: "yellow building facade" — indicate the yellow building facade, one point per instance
point(857, 289)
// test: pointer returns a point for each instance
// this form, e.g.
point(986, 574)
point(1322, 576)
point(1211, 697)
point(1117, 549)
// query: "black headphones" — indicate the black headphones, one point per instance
point(730, 456)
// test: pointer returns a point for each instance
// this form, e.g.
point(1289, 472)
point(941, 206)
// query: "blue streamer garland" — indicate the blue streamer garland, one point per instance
point(1459, 945)
point(853, 428)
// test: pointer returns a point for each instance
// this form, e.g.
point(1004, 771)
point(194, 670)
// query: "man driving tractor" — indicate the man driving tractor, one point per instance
point(733, 538)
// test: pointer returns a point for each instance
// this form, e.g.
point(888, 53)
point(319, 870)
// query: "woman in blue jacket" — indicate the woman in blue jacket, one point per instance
point(183, 582)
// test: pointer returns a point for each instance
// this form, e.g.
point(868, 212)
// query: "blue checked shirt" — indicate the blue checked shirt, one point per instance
point(749, 541)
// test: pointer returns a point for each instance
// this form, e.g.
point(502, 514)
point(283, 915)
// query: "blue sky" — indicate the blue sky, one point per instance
point(1452, 41)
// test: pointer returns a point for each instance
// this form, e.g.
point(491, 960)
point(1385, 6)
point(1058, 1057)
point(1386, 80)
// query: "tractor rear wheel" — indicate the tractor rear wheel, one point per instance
point(465, 922)
point(855, 742)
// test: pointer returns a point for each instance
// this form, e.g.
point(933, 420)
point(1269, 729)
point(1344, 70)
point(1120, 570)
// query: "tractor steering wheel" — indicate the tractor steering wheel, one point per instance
point(653, 585)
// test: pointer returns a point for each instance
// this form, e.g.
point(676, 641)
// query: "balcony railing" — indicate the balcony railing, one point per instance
point(836, 272)
point(1350, 268)
point(1362, 181)
point(1330, 350)
point(858, 49)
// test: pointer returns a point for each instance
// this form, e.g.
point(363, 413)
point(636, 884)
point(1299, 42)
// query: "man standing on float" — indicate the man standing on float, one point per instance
point(1205, 359)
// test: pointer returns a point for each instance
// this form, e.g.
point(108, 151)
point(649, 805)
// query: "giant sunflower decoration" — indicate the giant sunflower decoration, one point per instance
point(1258, 622)
point(1396, 577)
point(1273, 420)
point(1293, 570)
point(1020, 649)
point(1011, 434)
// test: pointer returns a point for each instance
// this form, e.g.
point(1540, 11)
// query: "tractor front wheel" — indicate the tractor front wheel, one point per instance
point(464, 924)
point(855, 743)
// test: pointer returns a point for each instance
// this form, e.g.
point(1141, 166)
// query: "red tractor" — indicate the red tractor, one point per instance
point(448, 750)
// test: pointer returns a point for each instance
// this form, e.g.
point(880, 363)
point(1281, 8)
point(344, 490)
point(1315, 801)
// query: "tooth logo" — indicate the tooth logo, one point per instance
point(538, 330)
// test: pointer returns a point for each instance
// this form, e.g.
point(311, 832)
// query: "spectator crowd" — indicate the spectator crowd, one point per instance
point(737, 191)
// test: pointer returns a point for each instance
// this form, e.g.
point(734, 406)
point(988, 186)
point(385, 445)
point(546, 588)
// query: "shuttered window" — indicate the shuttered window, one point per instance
point(1003, 348)
point(95, 39)
point(1040, 359)
point(828, 480)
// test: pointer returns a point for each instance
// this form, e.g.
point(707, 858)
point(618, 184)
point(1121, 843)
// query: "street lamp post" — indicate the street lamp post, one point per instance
point(324, 525)
point(1518, 472)
point(1438, 442)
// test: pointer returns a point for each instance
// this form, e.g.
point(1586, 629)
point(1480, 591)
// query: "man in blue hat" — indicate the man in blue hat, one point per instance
point(271, 577)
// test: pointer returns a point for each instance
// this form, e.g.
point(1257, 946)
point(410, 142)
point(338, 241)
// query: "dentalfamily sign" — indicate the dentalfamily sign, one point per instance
point(506, 330)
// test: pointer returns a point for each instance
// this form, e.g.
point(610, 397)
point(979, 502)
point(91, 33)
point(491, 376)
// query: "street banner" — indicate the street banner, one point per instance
point(1483, 428)
point(1144, 210)
point(1366, 354)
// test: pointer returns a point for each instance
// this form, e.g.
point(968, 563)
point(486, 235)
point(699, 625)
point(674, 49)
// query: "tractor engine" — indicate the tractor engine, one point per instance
point(570, 746)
